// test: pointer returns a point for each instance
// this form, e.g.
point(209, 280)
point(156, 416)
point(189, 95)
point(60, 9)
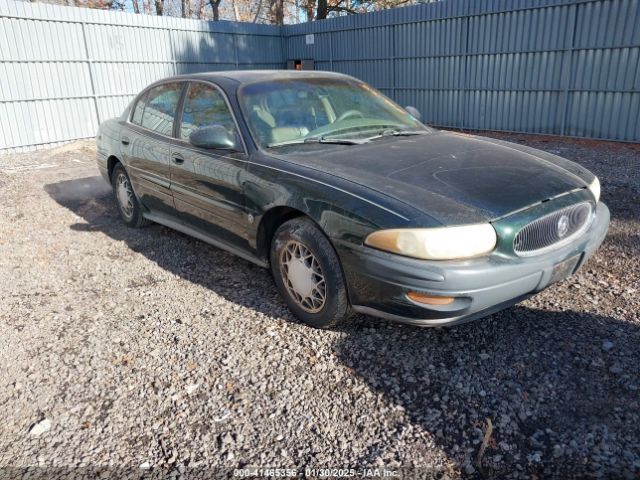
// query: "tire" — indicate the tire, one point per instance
point(308, 274)
point(131, 211)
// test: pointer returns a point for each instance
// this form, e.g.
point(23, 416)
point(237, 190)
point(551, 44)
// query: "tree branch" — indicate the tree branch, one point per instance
point(338, 8)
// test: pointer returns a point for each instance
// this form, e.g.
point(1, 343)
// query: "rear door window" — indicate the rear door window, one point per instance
point(160, 108)
point(138, 110)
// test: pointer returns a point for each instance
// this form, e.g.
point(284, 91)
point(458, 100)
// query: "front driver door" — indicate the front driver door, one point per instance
point(207, 184)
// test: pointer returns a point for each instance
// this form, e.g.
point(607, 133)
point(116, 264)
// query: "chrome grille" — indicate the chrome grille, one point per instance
point(553, 230)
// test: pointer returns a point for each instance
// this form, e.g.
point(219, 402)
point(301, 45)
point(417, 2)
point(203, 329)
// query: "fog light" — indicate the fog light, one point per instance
point(429, 299)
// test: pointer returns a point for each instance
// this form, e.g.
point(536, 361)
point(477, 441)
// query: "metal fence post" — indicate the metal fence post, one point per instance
point(234, 36)
point(465, 94)
point(567, 75)
point(89, 62)
point(393, 62)
point(331, 51)
point(173, 52)
point(284, 46)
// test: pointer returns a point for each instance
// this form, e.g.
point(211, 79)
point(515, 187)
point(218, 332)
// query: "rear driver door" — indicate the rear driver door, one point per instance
point(147, 146)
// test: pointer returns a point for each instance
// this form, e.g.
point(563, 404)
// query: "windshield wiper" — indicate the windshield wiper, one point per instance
point(400, 133)
point(321, 139)
point(397, 132)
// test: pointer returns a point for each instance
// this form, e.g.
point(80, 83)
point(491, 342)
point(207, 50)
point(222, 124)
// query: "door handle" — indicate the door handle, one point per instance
point(124, 140)
point(177, 159)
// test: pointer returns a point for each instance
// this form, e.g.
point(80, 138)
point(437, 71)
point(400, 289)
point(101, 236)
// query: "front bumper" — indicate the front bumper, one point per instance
point(378, 282)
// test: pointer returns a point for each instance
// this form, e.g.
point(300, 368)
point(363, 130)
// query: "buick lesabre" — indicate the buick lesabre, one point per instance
point(348, 198)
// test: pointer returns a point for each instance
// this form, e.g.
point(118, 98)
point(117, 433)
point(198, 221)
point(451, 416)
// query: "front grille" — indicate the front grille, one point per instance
point(553, 230)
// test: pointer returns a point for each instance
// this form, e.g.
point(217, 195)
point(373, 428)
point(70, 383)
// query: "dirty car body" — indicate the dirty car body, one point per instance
point(430, 227)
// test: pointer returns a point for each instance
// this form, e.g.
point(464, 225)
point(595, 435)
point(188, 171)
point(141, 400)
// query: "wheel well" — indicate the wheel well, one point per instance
point(269, 224)
point(111, 164)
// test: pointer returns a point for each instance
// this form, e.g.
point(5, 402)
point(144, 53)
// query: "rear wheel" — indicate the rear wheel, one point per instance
point(308, 274)
point(128, 204)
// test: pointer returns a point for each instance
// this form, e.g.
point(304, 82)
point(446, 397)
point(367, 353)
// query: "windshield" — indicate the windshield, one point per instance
point(321, 109)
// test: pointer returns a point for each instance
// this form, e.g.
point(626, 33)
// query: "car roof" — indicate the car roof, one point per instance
point(252, 76)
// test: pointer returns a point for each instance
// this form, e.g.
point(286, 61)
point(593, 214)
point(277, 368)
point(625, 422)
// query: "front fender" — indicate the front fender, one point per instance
point(344, 211)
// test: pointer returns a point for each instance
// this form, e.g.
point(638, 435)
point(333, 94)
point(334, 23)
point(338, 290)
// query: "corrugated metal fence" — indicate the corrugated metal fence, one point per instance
point(567, 67)
point(540, 66)
point(63, 70)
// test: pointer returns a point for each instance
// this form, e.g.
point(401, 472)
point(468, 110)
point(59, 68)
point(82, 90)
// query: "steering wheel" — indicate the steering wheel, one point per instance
point(349, 114)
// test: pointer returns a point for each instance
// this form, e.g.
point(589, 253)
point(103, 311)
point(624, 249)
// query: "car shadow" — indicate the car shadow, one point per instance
point(559, 387)
point(92, 200)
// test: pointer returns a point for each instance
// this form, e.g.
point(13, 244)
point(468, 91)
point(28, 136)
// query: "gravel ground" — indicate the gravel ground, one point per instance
point(145, 348)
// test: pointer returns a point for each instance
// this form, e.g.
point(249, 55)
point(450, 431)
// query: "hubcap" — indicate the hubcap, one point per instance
point(124, 195)
point(303, 277)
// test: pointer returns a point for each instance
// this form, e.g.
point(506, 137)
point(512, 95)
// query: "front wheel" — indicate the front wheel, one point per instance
point(308, 274)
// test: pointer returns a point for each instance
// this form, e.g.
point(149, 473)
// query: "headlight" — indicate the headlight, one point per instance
point(594, 188)
point(443, 243)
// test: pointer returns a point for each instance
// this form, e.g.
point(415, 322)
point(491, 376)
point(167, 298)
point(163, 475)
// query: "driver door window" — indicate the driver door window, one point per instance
point(204, 106)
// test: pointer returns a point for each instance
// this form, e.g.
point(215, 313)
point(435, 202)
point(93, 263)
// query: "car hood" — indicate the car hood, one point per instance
point(453, 178)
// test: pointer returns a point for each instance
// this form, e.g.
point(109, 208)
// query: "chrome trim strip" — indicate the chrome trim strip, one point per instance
point(370, 202)
point(335, 188)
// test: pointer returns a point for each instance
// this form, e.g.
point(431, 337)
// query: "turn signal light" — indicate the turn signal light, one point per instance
point(429, 299)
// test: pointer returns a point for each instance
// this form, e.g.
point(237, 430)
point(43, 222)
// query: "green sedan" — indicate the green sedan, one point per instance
point(348, 198)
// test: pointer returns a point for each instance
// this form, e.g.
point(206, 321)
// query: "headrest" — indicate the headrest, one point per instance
point(284, 134)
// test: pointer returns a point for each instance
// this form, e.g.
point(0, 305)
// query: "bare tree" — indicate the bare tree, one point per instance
point(309, 7)
point(276, 12)
point(258, 11)
point(215, 7)
point(159, 7)
point(201, 6)
point(245, 10)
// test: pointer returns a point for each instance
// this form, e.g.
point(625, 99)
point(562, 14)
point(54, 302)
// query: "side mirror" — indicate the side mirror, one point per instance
point(213, 136)
point(414, 112)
